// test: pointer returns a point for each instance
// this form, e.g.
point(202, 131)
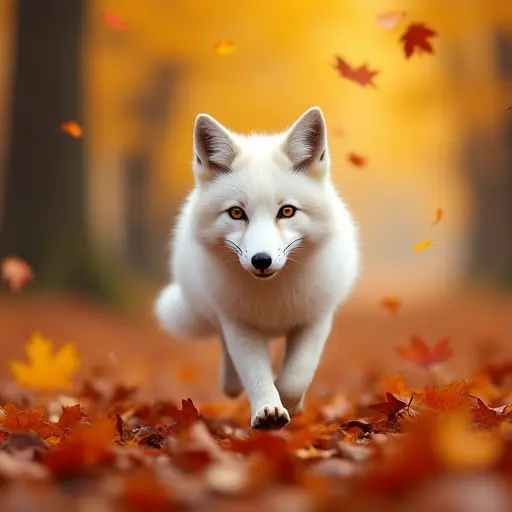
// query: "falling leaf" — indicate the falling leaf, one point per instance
point(361, 75)
point(439, 216)
point(390, 408)
point(72, 128)
point(188, 374)
point(224, 47)
point(422, 245)
point(47, 369)
point(389, 20)
point(115, 22)
point(415, 39)
point(419, 353)
point(357, 160)
point(16, 273)
point(392, 304)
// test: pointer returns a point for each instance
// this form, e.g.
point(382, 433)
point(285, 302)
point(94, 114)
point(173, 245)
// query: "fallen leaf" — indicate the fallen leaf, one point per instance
point(361, 75)
point(72, 128)
point(85, 447)
point(184, 418)
point(71, 416)
point(15, 419)
point(389, 20)
point(484, 416)
point(16, 273)
point(115, 22)
point(422, 245)
point(416, 39)
point(448, 398)
point(419, 353)
point(390, 408)
point(392, 304)
point(439, 216)
point(47, 369)
point(224, 47)
point(357, 160)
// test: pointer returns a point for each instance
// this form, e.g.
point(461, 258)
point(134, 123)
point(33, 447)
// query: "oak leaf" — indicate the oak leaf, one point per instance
point(47, 369)
point(419, 353)
point(361, 75)
point(416, 39)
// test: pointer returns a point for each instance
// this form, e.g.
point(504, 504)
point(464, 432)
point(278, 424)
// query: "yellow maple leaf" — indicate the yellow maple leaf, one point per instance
point(47, 369)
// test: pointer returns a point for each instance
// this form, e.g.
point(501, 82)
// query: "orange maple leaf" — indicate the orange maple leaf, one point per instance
point(439, 216)
point(115, 22)
point(357, 160)
point(224, 47)
point(15, 419)
point(415, 39)
point(391, 407)
point(184, 418)
point(389, 20)
point(361, 75)
point(16, 273)
point(446, 398)
point(72, 128)
point(392, 304)
point(419, 353)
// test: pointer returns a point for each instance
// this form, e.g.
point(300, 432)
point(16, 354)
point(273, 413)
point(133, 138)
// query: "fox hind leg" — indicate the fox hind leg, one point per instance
point(176, 315)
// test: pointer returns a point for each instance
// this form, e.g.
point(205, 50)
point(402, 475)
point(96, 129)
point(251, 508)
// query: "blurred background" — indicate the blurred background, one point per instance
point(91, 212)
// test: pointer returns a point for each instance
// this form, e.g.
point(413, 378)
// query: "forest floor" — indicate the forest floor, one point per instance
point(184, 461)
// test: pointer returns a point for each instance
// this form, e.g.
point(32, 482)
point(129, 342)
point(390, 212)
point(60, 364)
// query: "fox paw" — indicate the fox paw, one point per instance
point(270, 418)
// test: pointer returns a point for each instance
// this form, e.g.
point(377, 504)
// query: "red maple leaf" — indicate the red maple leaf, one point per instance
point(419, 353)
point(71, 416)
point(357, 160)
point(415, 39)
point(390, 408)
point(361, 75)
point(446, 398)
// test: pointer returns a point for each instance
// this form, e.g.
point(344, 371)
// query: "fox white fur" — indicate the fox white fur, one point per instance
point(313, 253)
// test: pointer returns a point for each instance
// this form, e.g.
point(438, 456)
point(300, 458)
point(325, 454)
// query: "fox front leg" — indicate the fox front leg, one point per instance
point(250, 354)
point(229, 379)
point(304, 347)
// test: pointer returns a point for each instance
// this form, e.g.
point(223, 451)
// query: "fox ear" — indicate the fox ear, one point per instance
point(214, 147)
point(306, 142)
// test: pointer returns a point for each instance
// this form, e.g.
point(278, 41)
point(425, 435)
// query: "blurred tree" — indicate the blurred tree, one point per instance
point(44, 217)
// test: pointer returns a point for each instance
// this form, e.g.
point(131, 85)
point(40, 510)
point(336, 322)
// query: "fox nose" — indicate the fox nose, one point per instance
point(261, 261)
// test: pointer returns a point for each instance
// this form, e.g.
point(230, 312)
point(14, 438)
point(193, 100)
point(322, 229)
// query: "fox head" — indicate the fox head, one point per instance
point(263, 197)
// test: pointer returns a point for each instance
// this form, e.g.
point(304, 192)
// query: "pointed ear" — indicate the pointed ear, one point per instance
point(306, 141)
point(214, 147)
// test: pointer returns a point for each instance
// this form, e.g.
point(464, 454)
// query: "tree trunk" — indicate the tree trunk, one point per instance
point(44, 217)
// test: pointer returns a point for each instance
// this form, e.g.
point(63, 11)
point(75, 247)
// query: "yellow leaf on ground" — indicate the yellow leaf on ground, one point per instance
point(47, 369)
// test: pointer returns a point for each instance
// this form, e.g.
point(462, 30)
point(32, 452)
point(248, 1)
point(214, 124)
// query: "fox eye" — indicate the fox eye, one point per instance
point(237, 213)
point(287, 211)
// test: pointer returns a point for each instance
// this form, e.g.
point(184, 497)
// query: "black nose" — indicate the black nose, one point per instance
point(261, 261)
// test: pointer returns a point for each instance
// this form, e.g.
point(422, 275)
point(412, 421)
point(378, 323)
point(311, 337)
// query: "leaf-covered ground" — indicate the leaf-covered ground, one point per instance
point(408, 436)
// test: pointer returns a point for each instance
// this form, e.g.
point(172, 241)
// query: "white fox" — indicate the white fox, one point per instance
point(263, 247)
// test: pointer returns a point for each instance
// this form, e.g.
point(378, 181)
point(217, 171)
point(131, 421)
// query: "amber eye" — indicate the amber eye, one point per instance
point(286, 212)
point(237, 213)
